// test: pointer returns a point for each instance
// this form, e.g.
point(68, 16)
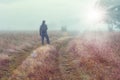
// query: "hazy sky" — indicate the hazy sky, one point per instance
point(28, 14)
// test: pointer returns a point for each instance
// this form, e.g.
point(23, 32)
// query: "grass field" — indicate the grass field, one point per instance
point(87, 56)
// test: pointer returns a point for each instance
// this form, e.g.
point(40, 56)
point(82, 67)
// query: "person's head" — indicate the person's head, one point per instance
point(43, 22)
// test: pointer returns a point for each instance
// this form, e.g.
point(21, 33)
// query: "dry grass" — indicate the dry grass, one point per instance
point(4, 64)
point(4, 57)
point(96, 56)
point(17, 46)
point(40, 65)
point(91, 56)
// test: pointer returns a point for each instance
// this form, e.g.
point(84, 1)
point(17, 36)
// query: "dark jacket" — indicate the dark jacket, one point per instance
point(43, 29)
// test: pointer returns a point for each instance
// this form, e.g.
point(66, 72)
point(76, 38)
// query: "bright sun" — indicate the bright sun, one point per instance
point(95, 15)
point(94, 18)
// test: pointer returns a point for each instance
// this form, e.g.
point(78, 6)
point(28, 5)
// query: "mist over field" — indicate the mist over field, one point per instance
point(28, 14)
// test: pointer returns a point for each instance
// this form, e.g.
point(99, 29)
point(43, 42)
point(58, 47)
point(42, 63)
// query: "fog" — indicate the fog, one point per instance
point(28, 14)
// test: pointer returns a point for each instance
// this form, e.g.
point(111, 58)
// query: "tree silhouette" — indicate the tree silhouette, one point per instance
point(112, 8)
point(64, 29)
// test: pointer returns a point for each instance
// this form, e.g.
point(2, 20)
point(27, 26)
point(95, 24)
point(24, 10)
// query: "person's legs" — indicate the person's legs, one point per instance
point(47, 38)
point(42, 39)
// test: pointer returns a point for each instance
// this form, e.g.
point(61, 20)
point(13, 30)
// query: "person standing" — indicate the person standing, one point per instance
point(43, 32)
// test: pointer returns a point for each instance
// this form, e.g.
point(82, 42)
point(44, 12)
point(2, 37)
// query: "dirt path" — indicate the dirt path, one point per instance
point(50, 62)
point(47, 63)
point(66, 65)
point(61, 48)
